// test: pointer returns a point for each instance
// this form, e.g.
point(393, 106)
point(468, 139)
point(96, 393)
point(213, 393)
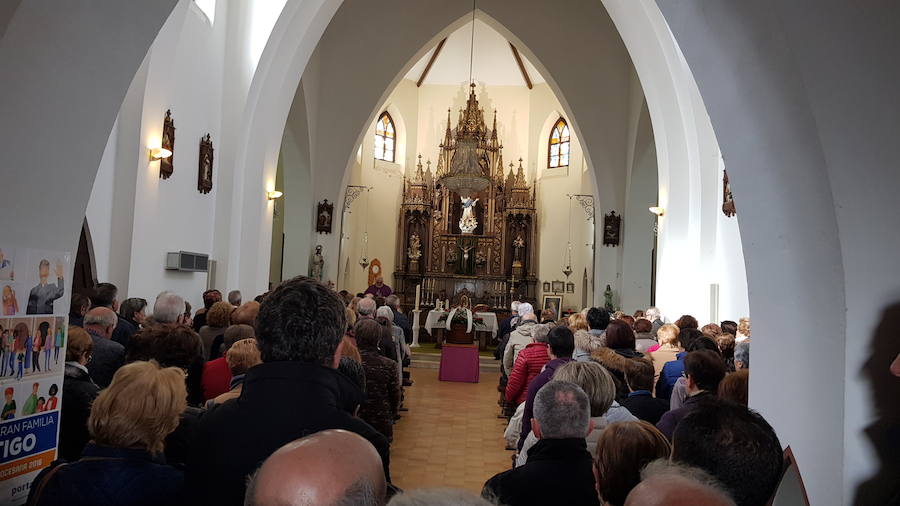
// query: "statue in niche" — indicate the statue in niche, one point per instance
point(414, 252)
point(518, 244)
point(608, 299)
point(468, 223)
point(204, 180)
point(317, 264)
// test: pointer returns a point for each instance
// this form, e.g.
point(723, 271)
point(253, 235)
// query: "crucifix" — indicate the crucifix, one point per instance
point(465, 250)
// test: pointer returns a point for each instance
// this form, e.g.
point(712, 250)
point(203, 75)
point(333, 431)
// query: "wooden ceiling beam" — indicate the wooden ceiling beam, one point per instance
point(434, 56)
point(518, 58)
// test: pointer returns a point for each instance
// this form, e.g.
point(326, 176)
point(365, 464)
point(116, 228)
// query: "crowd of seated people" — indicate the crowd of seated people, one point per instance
point(291, 399)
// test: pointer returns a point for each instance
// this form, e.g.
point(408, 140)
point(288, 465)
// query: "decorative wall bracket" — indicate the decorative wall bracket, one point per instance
point(587, 203)
point(353, 193)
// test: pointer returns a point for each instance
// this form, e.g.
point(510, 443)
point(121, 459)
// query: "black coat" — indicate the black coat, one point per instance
point(279, 402)
point(645, 406)
point(109, 476)
point(79, 392)
point(402, 321)
point(558, 471)
point(123, 331)
point(108, 357)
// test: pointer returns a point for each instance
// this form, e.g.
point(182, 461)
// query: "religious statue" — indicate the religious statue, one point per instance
point(608, 299)
point(317, 266)
point(468, 223)
point(518, 267)
point(415, 247)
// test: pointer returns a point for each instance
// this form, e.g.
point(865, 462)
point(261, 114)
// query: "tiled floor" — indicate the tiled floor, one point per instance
point(451, 436)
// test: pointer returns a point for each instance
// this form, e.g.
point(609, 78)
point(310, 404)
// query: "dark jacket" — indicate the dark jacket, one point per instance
point(279, 402)
point(382, 392)
point(669, 374)
point(616, 361)
point(109, 476)
point(79, 392)
point(402, 321)
point(644, 406)
point(558, 471)
point(123, 331)
point(669, 421)
point(536, 384)
point(178, 443)
point(108, 357)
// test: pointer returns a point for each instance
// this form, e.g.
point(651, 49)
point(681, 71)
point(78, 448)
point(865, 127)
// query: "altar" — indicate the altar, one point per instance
point(435, 324)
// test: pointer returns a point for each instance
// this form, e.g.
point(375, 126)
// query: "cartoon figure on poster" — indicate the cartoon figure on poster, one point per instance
point(6, 267)
point(23, 344)
point(10, 304)
point(60, 338)
point(9, 406)
point(31, 403)
point(42, 296)
point(5, 347)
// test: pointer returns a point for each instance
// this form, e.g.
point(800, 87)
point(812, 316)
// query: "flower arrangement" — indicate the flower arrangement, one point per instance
point(461, 316)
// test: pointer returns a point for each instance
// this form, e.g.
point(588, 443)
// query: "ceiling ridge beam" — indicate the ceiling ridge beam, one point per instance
point(434, 56)
point(518, 58)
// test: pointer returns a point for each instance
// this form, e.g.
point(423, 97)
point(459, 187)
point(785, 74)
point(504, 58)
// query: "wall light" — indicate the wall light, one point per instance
point(274, 194)
point(659, 211)
point(159, 154)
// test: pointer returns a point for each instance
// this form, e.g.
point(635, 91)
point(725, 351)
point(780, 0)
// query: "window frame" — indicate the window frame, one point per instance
point(384, 138)
point(556, 125)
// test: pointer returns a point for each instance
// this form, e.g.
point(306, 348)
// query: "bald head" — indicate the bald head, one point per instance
point(332, 467)
point(668, 484)
point(101, 320)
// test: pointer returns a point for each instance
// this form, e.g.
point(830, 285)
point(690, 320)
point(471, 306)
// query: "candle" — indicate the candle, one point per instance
point(418, 295)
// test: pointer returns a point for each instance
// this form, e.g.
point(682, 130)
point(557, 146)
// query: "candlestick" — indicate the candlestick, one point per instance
point(418, 295)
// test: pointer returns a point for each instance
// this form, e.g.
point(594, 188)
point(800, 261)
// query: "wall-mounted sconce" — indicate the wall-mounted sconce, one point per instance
point(274, 194)
point(659, 211)
point(159, 154)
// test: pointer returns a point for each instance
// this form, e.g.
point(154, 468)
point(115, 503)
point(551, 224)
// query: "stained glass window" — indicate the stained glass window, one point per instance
point(559, 145)
point(385, 138)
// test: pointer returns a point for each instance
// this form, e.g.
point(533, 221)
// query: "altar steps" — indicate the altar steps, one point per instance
point(433, 361)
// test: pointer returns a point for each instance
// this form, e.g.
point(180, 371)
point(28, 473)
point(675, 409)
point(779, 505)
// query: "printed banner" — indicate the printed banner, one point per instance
point(33, 331)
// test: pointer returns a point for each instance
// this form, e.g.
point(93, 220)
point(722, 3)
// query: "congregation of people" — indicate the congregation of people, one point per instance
point(291, 399)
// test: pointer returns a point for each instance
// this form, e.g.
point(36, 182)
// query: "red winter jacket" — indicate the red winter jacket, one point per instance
point(529, 364)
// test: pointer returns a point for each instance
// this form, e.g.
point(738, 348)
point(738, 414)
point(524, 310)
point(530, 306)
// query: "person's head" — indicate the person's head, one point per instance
point(104, 295)
point(169, 345)
point(725, 342)
point(687, 322)
point(236, 333)
point(666, 483)
point(53, 390)
point(729, 327)
point(392, 301)
point(369, 333)
point(703, 343)
point(242, 355)
point(345, 296)
point(210, 297)
point(562, 342)
point(379, 280)
point(526, 311)
point(101, 320)
point(744, 326)
point(514, 307)
point(8, 393)
point(711, 330)
point(354, 371)
point(541, 333)
point(578, 321)
point(704, 371)
point(328, 467)
point(627, 319)
point(561, 411)
point(652, 313)
point(639, 375)
point(619, 335)
point(686, 338)
point(187, 314)
point(594, 379)
point(668, 335)
point(35, 387)
point(43, 329)
point(134, 309)
point(638, 314)
point(234, 298)
point(643, 326)
point(742, 355)
point(548, 315)
point(245, 314)
point(44, 269)
point(734, 444)
point(386, 313)
point(168, 308)
point(624, 448)
point(301, 320)
point(597, 318)
point(79, 305)
point(736, 387)
point(438, 497)
point(351, 318)
point(139, 408)
point(366, 307)
point(219, 315)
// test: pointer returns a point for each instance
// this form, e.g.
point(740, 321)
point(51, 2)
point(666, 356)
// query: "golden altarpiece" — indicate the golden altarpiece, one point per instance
point(481, 244)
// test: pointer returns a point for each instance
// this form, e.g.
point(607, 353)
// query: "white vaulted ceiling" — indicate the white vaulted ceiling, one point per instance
point(493, 64)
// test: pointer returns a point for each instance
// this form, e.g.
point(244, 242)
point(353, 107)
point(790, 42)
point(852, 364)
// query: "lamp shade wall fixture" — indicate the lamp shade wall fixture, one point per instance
point(159, 154)
point(274, 194)
point(659, 211)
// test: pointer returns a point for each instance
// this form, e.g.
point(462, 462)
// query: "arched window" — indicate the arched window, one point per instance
point(559, 144)
point(385, 138)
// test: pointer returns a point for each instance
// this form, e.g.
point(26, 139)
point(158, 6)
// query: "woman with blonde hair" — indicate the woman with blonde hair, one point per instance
point(122, 464)
point(578, 321)
point(743, 330)
point(668, 348)
point(241, 356)
point(622, 451)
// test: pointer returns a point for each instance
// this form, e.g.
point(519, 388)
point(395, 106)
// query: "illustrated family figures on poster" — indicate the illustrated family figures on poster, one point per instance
point(34, 403)
point(42, 296)
point(25, 352)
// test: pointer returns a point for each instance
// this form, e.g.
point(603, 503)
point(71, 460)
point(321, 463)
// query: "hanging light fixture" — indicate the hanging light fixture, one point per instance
point(466, 175)
point(568, 269)
point(364, 259)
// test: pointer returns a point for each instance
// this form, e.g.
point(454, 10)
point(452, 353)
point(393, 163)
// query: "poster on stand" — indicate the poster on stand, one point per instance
point(33, 331)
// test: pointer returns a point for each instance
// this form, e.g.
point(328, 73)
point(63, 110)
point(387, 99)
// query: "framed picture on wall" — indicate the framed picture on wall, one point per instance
point(559, 287)
point(546, 286)
point(205, 171)
point(570, 287)
point(553, 303)
point(167, 165)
